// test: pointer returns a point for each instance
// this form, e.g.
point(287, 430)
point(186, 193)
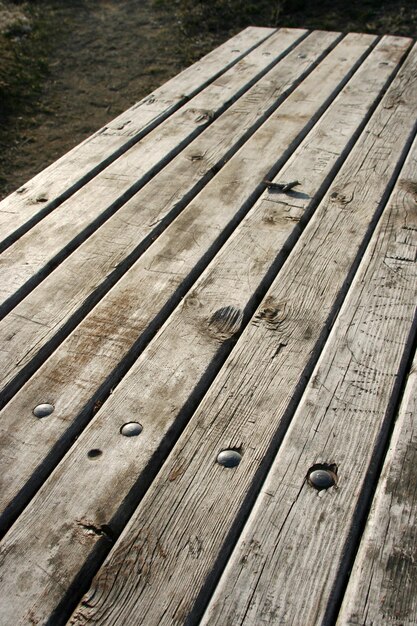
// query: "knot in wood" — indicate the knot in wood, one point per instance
point(192, 302)
point(393, 99)
point(341, 197)
point(272, 314)
point(225, 322)
point(410, 187)
point(203, 117)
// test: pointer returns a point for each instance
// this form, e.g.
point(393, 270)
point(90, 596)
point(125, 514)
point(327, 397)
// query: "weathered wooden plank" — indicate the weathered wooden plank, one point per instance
point(161, 566)
point(88, 357)
point(36, 252)
point(359, 95)
point(123, 460)
point(46, 190)
point(59, 296)
point(224, 199)
point(383, 585)
point(296, 536)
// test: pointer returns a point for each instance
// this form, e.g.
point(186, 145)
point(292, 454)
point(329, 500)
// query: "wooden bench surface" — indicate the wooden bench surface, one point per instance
point(207, 308)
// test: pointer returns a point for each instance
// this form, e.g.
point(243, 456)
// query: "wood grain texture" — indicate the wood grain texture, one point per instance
point(190, 347)
point(43, 192)
point(383, 585)
point(74, 373)
point(91, 352)
point(60, 232)
point(299, 537)
point(43, 313)
point(162, 566)
point(225, 199)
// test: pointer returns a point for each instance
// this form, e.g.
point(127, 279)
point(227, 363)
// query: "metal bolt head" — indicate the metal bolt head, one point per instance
point(322, 479)
point(131, 429)
point(229, 458)
point(43, 410)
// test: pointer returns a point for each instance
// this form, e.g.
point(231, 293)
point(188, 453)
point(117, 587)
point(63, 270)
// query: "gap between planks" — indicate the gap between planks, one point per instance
point(382, 587)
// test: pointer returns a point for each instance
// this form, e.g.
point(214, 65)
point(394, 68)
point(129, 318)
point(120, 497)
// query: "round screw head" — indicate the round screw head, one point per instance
point(131, 429)
point(229, 458)
point(43, 410)
point(322, 479)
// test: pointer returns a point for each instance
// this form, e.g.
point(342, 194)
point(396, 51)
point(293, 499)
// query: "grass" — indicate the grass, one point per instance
point(201, 24)
point(24, 43)
point(221, 15)
point(28, 31)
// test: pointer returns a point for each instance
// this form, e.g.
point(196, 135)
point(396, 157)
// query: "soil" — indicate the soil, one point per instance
point(72, 65)
point(102, 57)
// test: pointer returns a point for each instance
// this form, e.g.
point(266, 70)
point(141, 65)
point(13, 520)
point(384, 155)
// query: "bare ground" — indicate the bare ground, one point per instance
point(102, 57)
point(75, 64)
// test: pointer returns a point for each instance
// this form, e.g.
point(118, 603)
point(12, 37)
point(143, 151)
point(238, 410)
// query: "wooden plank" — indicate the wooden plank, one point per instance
point(123, 460)
point(224, 199)
point(88, 357)
point(257, 242)
point(163, 568)
point(62, 178)
point(298, 537)
point(383, 585)
point(45, 245)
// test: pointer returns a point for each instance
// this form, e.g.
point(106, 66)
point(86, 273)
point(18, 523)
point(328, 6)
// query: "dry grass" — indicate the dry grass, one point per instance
point(203, 23)
point(54, 92)
point(23, 56)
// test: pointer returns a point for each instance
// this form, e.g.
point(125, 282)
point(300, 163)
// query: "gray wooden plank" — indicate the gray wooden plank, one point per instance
point(34, 254)
point(383, 585)
point(299, 537)
point(24, 332)
point(76, 370)
point(55, 183)
point(41, 316)
point(118, 458)
point(163, 565)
